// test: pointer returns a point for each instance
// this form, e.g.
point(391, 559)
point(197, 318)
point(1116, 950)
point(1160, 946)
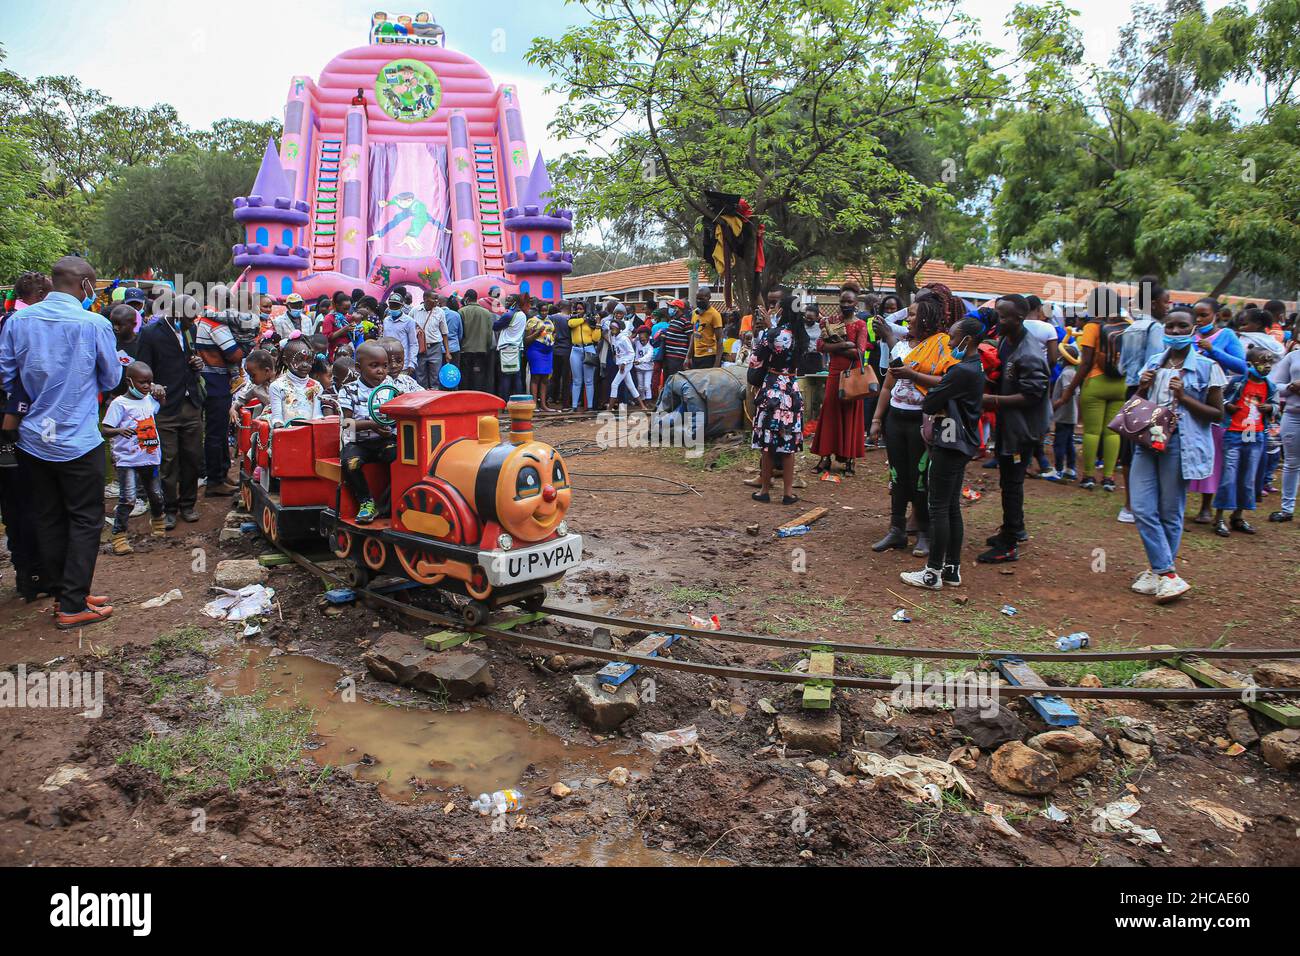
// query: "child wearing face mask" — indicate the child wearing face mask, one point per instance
point(295, 395)
point(130, 422)
point(1248, 401)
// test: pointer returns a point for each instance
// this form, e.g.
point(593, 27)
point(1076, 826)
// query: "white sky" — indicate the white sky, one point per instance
point(234, 58)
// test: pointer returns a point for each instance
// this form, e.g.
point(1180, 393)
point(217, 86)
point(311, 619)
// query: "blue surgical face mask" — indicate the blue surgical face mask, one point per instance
point(134, 392)
point(394, 312)
point(296, 313)
point(1178, 341)
point(1206, 329)
point(958, 354)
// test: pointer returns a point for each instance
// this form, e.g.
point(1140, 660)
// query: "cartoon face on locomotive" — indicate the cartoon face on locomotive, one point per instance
point(462, 509)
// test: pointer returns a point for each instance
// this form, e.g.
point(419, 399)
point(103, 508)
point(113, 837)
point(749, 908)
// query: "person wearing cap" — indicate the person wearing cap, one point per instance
point(296, 318)
point(399, 325)
point(137, 300)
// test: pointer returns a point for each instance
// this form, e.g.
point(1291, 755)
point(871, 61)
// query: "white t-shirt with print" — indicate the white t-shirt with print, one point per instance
point(143, 448)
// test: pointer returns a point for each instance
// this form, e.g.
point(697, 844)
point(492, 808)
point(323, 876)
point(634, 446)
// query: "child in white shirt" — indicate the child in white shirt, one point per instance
point(137, 452)
point(624, 356)
point(644, 363)
point(295, 395)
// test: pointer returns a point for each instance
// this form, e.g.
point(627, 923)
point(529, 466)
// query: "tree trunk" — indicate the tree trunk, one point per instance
point(1233, 271)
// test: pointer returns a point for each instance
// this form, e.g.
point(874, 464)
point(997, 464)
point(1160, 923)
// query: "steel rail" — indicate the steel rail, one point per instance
point(840, 647)
point(785, 677)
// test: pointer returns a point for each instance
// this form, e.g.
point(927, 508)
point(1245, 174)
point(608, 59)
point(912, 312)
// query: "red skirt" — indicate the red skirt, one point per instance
point(840, 426)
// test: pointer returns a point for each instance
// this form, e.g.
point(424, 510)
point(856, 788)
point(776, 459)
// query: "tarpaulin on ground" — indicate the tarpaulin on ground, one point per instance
point(717, 395)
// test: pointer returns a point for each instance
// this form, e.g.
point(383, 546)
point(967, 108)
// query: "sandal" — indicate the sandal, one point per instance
point(789, 499)
point(1221, 529)
point(762, 496)
point(823, 465)
point(848, 467)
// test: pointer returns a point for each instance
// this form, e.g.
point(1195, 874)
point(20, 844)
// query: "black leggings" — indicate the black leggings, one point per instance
point(372, 451)
point(906, 482)
point(946, 474)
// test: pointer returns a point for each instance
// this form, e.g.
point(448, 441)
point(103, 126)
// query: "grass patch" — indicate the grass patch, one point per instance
point(686, 594)
point(246, 742)
point(179, 640)
point(728, 458)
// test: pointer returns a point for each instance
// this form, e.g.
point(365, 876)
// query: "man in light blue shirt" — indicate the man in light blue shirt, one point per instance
point(62, 356)
point(399, 325)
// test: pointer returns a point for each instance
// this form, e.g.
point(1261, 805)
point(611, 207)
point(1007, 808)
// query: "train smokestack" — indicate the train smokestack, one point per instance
point(521, 408)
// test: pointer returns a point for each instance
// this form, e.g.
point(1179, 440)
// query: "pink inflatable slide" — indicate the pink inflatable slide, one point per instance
point(404, 165)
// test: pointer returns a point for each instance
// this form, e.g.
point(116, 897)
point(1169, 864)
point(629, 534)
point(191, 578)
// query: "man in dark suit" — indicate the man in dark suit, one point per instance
point(167, 347)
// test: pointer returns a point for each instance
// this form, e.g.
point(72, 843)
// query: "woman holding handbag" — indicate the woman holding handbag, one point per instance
point(954, 407)
point(778, 412)
point(1164, 465)
point(839, 427)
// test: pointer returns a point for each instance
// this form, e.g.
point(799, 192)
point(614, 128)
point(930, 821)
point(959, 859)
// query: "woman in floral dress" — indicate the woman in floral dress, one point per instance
point(778, 415)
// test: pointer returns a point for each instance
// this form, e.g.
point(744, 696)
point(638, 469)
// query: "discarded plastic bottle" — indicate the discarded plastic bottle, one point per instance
point(502, 801)
point(1072, 642)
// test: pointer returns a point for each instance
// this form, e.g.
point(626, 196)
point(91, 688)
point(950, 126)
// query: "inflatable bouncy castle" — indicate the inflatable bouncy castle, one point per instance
point(403, 165)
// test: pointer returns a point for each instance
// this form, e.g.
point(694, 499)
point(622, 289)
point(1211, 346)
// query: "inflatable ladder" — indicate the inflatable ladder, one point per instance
point(489, 208)
point(325, 225)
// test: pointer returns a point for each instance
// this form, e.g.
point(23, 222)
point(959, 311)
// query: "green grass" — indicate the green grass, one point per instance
point(246, 742)
point(698, 594)
point(179, 640)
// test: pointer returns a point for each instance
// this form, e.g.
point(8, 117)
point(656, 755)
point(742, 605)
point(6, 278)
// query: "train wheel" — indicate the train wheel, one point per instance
point(246, 496)
point(355, 575)
point(474, 613)
point(477, 586)
point(341, 543)
point(374, 553)
point(533, 602)
point(411, 564)
point(269, 527)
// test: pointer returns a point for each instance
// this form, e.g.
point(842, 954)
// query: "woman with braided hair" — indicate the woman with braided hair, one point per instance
point(916, 366)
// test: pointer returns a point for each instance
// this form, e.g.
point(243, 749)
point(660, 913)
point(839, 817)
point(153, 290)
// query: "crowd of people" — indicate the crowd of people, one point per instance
point(1188, 398)
point(936, 384)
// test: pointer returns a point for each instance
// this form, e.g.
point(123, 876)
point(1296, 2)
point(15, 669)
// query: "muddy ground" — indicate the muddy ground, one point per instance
point(90, 791)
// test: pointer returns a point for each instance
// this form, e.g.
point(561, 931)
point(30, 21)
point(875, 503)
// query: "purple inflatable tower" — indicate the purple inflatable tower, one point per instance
point(538, 263)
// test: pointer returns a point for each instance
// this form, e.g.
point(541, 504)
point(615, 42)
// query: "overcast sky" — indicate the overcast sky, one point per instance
point(235, 57)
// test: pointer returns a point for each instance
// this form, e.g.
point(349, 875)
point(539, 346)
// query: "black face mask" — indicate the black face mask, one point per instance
point(846, 309)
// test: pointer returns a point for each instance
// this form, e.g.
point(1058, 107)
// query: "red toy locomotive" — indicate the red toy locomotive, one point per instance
point(468, 512)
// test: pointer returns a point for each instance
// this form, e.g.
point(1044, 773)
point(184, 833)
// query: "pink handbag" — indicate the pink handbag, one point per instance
point(1145, 423)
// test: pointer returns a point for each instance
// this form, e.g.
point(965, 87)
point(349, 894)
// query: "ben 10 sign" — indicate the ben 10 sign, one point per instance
point(421, 29)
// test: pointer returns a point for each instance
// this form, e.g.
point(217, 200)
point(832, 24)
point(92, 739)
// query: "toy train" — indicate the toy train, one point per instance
point(467, 512)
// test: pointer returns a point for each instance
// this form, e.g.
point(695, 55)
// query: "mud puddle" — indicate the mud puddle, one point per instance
point(414, 749)
point(629, 851)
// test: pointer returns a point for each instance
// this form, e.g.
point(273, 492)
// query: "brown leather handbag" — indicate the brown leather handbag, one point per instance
point(857, 382)
point(1144, 422)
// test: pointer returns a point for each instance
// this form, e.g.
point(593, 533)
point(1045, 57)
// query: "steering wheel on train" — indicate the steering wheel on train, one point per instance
point(381, 394)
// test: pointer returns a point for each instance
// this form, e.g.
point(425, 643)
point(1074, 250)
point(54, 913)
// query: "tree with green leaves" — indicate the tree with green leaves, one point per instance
point(791, 105)
point(28, 240)
point(174, 217)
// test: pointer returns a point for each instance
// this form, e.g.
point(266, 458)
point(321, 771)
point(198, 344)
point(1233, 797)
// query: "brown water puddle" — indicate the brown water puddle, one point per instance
point(479, 749)
point(601, 851)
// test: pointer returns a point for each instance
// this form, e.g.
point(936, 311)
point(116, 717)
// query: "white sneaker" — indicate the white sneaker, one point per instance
point(927, 578)
point(1148, 582)
point(1126, 517)
point(203, 482)
point(140, 508)
point(1171, 589)
point(111, 490)
point(1050, 475)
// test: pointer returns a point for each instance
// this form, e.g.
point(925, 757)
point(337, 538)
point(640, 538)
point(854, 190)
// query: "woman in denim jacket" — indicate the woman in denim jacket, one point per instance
point(1193, 384)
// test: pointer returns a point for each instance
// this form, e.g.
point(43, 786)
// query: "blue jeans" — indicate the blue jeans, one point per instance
point(130, 481)
point(584, 375)
point(1240, 465)
point(1158, 499)
point(427, 367)
point(1290, 461)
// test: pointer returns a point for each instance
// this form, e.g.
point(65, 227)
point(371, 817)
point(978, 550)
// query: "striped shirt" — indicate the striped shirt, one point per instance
point(677, 337)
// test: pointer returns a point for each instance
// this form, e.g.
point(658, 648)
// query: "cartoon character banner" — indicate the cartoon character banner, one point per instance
point(421, 30)
point(409, 211)
point(408, 90)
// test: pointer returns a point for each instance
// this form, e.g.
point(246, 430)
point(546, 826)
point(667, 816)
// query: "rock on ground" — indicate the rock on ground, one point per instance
point(1277, 673)
point(1164, 677)
point(819, 732)
point(1075, 750)
point(1016, 768)
point(1137, 753)
point(600, 710)
point(403, 659)
point(993, 730)
point(1241, 728)
point(1281, 750)
point(239, 573)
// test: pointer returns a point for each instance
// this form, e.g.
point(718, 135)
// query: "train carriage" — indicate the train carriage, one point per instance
point(465, 510)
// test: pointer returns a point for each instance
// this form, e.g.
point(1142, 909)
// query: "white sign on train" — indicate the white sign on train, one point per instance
point(531, 564)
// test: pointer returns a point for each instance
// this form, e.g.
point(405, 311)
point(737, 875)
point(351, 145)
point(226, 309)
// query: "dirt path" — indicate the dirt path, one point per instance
point(739, 798)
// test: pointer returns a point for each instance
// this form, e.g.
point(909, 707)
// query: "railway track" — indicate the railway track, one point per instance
point(554, 646)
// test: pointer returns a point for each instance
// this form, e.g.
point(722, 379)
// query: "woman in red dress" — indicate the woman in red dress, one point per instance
point(840, 425)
